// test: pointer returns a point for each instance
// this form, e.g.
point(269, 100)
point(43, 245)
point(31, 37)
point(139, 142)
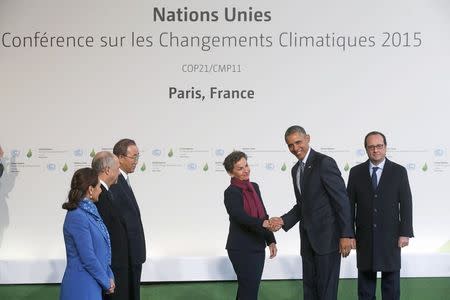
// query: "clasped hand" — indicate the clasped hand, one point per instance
point(273, 224)
point(112, 287)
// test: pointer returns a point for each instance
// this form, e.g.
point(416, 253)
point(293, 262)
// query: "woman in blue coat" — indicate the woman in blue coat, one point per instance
point(88, 247)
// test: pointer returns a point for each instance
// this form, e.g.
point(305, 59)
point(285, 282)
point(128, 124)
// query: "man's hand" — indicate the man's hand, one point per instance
point(275, 223)
point(403, 241)
point(345, 246)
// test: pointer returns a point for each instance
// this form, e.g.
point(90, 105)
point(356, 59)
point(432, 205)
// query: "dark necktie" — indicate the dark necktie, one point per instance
point(301, 168)
point(374, 178)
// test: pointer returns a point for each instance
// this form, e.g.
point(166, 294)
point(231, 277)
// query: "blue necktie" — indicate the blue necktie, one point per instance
point(374, 178)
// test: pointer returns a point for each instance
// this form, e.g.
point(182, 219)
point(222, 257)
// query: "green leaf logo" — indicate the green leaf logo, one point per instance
point(65, 168)
point(170, 154)
point(143, 167)
point(92, 154)
point(283, 167)
point(29, 153)
point(205, 167)
point(346, 167)
point(425, 167)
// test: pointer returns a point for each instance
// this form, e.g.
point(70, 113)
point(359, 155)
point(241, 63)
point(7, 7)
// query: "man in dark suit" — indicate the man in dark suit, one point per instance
point(381, 198)
point(123, 197)
point(323, 210)
point(107, 166)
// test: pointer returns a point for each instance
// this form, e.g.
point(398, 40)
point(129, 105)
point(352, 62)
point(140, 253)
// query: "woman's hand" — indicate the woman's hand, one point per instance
point(112, 287)
point(273, 250)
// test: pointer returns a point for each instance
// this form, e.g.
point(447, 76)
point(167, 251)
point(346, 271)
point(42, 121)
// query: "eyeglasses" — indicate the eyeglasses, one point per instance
point(135, 158)
point(373, 147)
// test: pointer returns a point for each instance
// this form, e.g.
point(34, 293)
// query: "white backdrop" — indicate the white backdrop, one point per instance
point(60, 103)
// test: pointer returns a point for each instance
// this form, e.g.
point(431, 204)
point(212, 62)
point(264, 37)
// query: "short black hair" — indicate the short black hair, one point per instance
point(232, 159)
point(294, 129)
point(121, 147)
point(374, 133)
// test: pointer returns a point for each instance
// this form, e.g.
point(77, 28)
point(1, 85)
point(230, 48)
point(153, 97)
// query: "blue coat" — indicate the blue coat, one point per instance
point(87, 272)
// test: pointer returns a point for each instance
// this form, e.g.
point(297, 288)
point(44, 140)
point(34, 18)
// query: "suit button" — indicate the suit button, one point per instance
point(374, 225)
point(375, 210)
point(376, 196)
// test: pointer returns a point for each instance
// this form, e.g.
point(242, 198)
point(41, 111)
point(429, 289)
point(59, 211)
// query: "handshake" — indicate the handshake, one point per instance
point(273, 224)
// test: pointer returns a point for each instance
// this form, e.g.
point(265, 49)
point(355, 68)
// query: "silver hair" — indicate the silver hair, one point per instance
point(103, 160)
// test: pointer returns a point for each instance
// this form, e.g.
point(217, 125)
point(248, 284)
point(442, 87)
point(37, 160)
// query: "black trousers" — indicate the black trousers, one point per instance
point(135, 281)
point(390, 285)
point(249, 268)
point(320, 273)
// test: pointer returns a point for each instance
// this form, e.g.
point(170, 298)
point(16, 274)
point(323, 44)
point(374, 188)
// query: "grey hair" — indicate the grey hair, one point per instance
point(294, 129)
point(103, 160)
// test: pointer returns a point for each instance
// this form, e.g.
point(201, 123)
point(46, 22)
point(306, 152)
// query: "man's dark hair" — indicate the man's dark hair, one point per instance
point(294, 129)
point(374, 133)
point(121, 147)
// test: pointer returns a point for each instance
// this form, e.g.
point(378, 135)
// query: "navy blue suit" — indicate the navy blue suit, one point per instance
point(323, 210)
point(246, 243)
point(124, 199)
point(381, 216)
point(1, 169)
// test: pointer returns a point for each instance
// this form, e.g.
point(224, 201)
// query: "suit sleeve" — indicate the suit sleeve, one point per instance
point(268, 235)
point(235, 208)
point(352, 198)
point(335, 187)
point(1, 169)
point(294, 215)
point(110, 273)
point(79, 229)
point(291, 217)
point(406, 227)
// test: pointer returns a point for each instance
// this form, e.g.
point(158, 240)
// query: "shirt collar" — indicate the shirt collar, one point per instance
point(125, 175)
point(380, 165)
point(305, 159)
point(104, 184)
